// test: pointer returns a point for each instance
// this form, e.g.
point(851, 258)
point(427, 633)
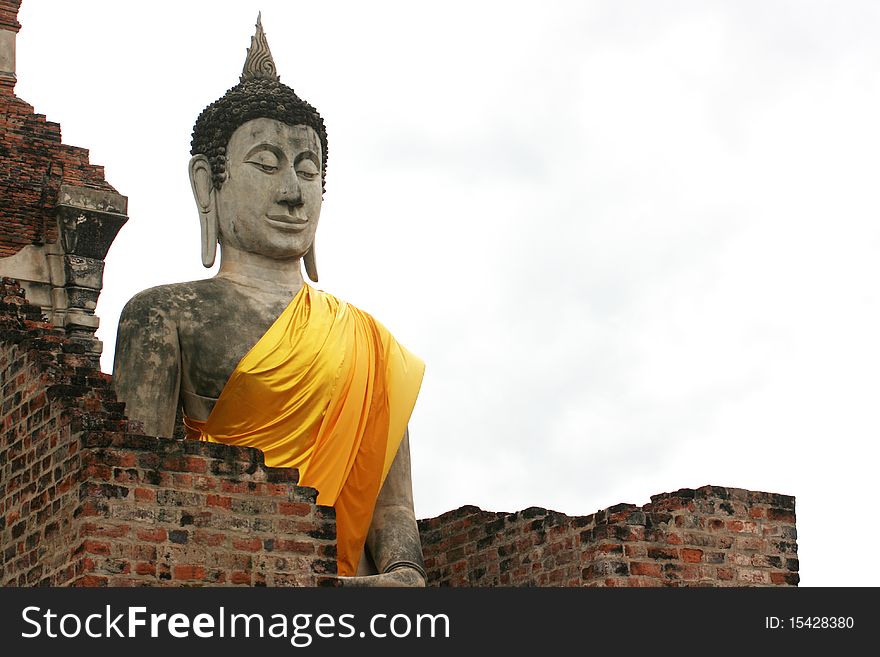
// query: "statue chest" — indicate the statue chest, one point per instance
point(212, 343)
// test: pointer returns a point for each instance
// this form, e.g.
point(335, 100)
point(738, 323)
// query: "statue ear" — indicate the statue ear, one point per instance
point(203, 191)
point(311, 265)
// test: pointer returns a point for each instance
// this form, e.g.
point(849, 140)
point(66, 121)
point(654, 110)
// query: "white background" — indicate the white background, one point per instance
point(636, 243)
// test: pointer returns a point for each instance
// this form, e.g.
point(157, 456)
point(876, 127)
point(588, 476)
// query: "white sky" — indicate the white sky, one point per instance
point(636, 243)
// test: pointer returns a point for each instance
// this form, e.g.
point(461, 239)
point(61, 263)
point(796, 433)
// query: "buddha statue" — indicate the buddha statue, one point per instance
point(255, 356)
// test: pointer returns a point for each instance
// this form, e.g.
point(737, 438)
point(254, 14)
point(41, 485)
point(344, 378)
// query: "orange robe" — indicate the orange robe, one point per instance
point(327, 390)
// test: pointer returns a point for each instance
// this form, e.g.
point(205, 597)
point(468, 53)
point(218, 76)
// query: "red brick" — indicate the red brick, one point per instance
point(690, 573)
point(144, 494)
point(99, 471)
point(294, 509)
point(233, 486)
point(144, 568)
point(204, 537)
point(647, 569)
point(219, 500)
point(641, 582)
point(754, 576)
point(105, 531)
point(196, 464)
point(784, 579)
point(275, 490)
point(189, 572)
point(239, 577)
point(662, 553)
point(173, 463)
point(635, 550)
point(247, 544)
point(780, 515)
point(96, 547)
point(152, 535)
point(725, 574)
point(691, 555)
point(750, 544)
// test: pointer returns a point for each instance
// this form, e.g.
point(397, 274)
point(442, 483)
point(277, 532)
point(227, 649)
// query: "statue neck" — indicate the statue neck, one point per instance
point(260, 272)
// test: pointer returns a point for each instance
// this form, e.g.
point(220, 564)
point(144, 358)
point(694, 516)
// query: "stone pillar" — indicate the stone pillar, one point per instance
point(9, 27)
point(88, 221)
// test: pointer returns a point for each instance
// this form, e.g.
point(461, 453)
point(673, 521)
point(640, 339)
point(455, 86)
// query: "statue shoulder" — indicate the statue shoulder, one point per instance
point(166, 303)
point(147, 364)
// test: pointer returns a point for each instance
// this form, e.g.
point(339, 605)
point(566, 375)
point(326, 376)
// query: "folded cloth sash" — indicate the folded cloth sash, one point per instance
point(327, 390)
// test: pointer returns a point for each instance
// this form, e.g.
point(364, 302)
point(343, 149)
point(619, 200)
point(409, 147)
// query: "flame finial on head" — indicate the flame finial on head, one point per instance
point(259, 63)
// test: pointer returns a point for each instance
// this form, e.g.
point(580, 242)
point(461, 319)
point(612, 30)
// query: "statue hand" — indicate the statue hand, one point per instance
point(403, 576)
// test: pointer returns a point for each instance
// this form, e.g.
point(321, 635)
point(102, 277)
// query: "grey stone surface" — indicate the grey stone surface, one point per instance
point(88, 233)
point(87, 198)
point(84, 272)
point(29, 264)
point(7, 54)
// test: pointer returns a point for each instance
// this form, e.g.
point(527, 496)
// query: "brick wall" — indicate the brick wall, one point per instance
point(9, 15)
point(711, 536)
point(175, 512)
point(85, 501)
point(39, 458)
point(33, 164)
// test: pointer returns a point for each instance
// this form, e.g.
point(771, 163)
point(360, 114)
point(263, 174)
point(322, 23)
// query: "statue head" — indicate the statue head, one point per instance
point(259, 164)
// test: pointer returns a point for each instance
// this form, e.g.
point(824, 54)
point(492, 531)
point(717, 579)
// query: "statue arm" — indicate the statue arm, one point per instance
point(393, 540)
point(146, 369)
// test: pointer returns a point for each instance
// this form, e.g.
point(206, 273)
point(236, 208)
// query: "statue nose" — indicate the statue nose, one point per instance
point(290, 191)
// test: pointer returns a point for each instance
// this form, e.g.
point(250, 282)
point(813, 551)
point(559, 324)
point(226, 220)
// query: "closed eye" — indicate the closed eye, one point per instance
point(265, 157)
point(267, 168)
point(306, 168)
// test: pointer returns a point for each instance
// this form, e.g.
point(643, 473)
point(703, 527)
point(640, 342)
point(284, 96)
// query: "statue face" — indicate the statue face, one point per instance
point(270, 202)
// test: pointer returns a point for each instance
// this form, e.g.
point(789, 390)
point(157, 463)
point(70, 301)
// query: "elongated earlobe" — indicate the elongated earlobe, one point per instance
point(311, 265)
point(203, 191)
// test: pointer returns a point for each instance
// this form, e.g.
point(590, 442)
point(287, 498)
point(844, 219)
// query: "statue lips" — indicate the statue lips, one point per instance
point(287, 222)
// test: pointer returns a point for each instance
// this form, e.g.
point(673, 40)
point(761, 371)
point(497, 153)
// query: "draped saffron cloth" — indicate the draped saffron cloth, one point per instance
point(327, 390)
